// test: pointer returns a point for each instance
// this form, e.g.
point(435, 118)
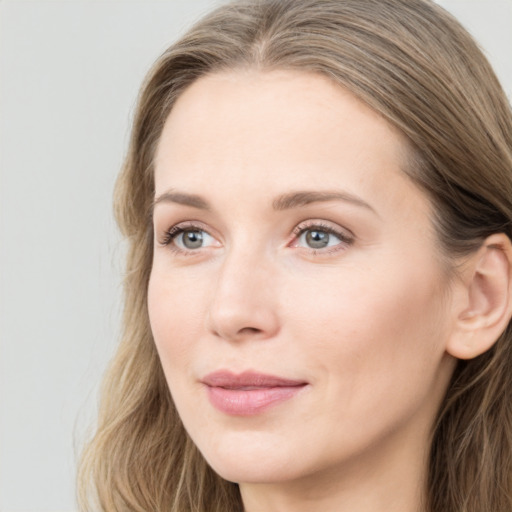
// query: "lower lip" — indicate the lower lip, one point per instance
point(241, 402)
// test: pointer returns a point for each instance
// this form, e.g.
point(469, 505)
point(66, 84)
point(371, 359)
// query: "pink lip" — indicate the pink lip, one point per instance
point(248, 393)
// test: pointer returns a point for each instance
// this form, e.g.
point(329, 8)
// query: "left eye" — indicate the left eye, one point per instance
point(316, 238)
point(190, 239)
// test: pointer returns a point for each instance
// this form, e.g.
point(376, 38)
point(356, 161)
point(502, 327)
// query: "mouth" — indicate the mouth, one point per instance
point(249, 393)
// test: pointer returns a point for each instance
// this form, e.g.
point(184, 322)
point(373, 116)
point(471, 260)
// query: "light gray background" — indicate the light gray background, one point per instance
point(69, 72)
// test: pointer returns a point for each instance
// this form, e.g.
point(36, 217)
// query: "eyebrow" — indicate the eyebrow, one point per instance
point(283, 202)
point(303, 198)
point(192, 200)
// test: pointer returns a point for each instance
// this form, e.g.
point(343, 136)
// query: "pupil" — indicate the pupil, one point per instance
point(192, 239)
point(317, 239)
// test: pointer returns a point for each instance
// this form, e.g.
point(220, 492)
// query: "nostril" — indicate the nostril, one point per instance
point(249, 330)
point(240, 334)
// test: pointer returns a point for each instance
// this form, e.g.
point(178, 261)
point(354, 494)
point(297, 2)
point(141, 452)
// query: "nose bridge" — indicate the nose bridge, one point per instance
point(243, 302)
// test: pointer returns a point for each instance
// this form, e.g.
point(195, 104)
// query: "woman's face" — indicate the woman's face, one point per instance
point(297, 299)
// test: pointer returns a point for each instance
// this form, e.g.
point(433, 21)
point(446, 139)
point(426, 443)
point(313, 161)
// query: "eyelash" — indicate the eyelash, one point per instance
point(177, 230)
point(346, 238)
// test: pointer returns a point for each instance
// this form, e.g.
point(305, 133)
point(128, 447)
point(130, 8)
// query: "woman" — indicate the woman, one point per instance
point(317, 198)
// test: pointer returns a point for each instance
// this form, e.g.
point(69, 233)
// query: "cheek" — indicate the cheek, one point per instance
point(176, 316)
point(379, 336)
point(376, 306)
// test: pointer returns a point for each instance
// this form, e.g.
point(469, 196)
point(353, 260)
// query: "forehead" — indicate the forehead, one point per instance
point(256, 131)
point(250, 105)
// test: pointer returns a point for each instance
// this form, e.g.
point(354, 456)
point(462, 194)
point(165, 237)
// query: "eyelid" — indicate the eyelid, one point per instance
point(345, 236)
point(323, 225)
point(168, 235)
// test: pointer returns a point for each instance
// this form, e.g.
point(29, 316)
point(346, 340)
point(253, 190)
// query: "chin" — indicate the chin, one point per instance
point(254, 472)
point(250, 462)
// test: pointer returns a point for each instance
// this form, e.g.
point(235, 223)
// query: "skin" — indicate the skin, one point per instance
point(364, 321)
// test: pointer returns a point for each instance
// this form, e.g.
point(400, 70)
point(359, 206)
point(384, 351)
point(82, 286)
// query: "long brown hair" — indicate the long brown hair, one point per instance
point(415, 65)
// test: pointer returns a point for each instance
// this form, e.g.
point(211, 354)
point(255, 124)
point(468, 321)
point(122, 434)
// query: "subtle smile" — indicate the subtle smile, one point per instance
point(248, 393)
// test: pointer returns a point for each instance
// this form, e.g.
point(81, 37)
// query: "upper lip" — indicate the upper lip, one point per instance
point(248, 379)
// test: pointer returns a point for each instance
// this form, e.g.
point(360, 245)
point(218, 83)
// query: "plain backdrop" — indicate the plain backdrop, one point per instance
point(69, 75)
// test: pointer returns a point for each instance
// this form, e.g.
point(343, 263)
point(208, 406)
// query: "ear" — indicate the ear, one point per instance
point(485, 306)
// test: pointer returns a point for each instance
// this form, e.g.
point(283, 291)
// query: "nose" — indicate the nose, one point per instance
point(244, 304)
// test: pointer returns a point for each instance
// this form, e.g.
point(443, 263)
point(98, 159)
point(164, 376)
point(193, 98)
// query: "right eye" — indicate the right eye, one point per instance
point(188, 238)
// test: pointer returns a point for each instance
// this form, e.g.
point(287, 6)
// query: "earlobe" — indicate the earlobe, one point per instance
point(487, 305)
